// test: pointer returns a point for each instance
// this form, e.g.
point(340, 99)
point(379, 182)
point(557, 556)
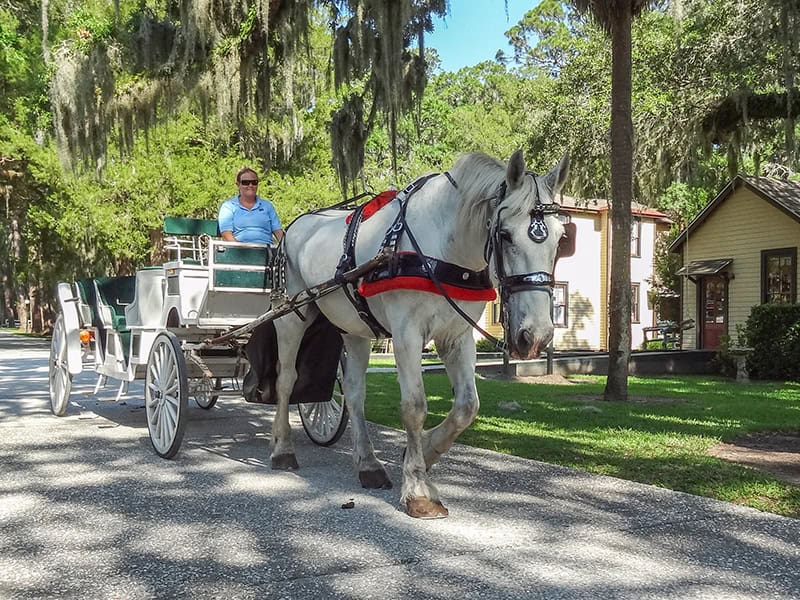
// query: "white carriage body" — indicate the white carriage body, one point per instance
point(157, 325)
point(206, 286)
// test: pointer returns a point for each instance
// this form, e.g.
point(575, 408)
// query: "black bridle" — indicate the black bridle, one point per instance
point(542, 281)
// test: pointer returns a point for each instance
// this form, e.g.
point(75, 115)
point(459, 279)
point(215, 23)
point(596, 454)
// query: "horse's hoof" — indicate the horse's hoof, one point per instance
point(285, 462)
point(425, 508)
point(375, 480)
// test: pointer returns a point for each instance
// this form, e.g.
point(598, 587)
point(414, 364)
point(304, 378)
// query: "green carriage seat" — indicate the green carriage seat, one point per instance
point(245, 267)
point(184, 237)
point(187, 226)
point(87, 296)
point(113, 293)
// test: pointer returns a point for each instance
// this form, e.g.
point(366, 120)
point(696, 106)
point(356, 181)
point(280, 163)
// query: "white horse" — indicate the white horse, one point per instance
point(481, 213)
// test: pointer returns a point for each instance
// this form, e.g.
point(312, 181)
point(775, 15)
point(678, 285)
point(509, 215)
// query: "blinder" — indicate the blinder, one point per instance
point(566, 245)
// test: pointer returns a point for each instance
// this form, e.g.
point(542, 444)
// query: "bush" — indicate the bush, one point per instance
point(723, 362)
point(484, 345)
point(773, 332)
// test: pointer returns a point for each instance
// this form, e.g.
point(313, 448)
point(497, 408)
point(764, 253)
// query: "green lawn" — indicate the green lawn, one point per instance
point(660, 437)
point(389, 361)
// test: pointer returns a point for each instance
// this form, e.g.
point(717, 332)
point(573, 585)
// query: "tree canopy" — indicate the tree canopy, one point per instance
point(114, 115)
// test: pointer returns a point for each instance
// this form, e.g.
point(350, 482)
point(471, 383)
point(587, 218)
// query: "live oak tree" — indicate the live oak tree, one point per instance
point(117, 69)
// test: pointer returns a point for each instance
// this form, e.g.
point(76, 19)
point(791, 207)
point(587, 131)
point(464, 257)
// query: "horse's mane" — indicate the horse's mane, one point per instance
point(478, 177)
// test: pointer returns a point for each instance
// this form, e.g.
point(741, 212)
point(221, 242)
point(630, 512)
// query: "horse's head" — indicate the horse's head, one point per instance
point(527, 234)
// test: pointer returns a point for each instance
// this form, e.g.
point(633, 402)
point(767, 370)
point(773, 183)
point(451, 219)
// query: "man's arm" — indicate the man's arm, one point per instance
point(227, 236)
point(278, 234)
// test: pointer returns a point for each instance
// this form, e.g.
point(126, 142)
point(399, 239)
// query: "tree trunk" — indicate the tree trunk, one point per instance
point(22, 313)
point(33, 309)
point(8, 300)
point(619, 309)
point(789, 27)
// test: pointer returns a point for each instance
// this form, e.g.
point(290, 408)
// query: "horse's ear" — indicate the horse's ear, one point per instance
point(516, 170)
point(556, 178)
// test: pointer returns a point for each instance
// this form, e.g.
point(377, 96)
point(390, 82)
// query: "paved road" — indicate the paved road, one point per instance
point(88, 511)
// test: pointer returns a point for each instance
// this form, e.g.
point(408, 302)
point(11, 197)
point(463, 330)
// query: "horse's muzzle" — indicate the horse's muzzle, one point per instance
point(526, 345)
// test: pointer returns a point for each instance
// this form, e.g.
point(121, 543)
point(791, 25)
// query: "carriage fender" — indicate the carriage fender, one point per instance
point(69, 310)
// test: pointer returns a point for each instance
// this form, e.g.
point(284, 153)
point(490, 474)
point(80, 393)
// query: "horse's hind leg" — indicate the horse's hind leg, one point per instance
point(289, 331)
point(458, 355)
point(371, 472)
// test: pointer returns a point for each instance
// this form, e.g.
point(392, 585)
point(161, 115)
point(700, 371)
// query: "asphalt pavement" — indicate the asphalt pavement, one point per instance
point(88, 511)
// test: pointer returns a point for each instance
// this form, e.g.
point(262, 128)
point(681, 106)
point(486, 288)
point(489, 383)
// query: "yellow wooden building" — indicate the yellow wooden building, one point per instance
point(580, 296)
point(740, 251)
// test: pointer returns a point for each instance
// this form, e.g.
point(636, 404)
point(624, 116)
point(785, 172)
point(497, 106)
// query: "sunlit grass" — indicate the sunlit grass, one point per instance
point(662, 436)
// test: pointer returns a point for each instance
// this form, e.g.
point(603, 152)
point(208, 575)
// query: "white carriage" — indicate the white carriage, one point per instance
point(171, 325)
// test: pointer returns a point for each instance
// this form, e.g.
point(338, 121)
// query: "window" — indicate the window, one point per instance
point(560, 304)
point(634, 303)
point(779, 276)
point(495, 312)
point(636, 237)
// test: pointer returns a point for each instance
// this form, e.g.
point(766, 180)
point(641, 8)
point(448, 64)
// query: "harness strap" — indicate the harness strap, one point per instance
point(500, 344)
point(395, 232)
point(347, 263)
point(411, 264)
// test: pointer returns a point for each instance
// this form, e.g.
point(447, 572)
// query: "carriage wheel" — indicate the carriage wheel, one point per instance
point(204, 396)
point(165, 394)
point(59, 375)
point(325, 422)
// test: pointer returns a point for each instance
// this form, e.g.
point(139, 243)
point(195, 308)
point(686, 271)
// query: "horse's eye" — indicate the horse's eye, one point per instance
point(505, 235)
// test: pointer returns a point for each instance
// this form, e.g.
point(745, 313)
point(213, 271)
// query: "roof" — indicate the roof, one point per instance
point(705, 267)
point(782, 194)
point(596, 205)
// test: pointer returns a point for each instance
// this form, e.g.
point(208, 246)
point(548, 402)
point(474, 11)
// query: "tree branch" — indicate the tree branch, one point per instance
point(731, 113)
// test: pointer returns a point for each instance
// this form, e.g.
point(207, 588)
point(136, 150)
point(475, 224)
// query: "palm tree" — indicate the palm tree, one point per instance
point(616, 16)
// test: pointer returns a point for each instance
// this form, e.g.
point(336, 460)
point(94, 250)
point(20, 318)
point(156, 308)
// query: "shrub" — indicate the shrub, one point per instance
point(484, 345)
point(773, 332)
point(723, 362)
point(655, 345)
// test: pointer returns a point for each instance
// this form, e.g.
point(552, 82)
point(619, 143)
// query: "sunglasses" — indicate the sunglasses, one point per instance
point(248, 182)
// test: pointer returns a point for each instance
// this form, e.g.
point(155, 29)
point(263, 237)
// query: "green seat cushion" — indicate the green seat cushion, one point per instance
point(242, 279)
point(237, 255)
point(185, 226)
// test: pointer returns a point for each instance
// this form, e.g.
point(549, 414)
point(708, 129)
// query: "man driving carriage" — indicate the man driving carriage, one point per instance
point(247, 217)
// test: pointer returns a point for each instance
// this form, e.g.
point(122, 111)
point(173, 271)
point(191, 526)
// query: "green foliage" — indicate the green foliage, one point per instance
point(773, 332)
point(685, 62)
point(682, 202)
point(484, 345)
point(91, 24)
point(724, 362)
point(23, 79)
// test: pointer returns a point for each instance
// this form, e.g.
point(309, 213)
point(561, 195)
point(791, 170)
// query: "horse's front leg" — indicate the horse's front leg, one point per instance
point(419, 494)
point(289, 332)
point(371, 472)
point(458, 355)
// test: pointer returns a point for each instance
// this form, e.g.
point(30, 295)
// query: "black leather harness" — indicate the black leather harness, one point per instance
point(402, 264)
point(416, 264)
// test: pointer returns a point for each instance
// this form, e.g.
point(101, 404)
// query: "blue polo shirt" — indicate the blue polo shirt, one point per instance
point(249, 225)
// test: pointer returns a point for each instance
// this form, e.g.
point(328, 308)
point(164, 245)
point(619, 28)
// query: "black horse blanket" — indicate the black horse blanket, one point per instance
point(316, 364)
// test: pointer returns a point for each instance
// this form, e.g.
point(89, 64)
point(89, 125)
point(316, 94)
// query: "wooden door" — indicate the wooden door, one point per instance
point(714, 310)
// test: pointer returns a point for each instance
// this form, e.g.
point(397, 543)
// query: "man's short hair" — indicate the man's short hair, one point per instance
point(244, 170)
